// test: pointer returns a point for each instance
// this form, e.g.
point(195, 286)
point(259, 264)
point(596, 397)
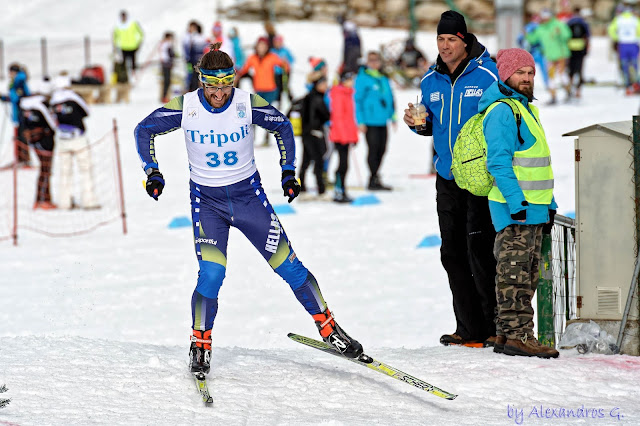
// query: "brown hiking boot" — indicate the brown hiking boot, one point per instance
point(454, 339)
point(489, 342)
point(498, 345)
point(528, 346)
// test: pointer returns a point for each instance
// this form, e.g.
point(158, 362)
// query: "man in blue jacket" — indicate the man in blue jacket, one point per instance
point(374, 109)
point(521, 200)
point(451, 91)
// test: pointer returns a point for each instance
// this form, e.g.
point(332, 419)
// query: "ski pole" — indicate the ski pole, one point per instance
point(632, 290)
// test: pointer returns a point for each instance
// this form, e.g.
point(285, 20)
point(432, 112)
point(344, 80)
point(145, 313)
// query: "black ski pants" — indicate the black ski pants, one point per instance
point(314, 149)
point(377, 143)
point(576, 61)
point(130, 56)
point(466, 253)
point(166, 81)
point(343, 165)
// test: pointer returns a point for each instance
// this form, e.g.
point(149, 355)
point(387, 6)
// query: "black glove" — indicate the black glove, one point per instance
point(522, 214)
point(290, 184)
point(547, 227)
point(155, 183)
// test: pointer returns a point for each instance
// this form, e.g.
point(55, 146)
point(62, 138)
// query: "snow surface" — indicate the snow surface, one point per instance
point(94, 329)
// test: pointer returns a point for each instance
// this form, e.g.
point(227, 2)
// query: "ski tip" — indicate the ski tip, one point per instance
point(452, 397)
point(290, 335)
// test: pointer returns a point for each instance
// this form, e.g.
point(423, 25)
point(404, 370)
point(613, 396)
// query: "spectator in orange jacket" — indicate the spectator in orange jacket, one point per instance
point(344, 130)
point(263, 63)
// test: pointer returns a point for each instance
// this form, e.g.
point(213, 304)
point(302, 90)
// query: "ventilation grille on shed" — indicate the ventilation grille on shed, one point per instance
point(609, 300)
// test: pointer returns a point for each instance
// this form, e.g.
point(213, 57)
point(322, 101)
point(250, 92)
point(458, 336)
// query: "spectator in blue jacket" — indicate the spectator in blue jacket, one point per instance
point(374, 109)
point(17, 90)
point(451, 91)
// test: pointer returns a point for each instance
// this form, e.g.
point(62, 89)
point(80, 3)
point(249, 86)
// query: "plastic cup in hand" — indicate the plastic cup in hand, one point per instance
point(419, 114)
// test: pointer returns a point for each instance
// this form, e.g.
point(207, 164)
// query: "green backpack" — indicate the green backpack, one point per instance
point(469, 164)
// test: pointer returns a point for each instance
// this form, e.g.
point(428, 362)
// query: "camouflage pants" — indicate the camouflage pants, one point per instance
point(517, 252)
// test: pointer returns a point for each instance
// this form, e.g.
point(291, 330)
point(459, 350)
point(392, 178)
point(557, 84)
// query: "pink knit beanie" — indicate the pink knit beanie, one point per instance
point(511, 60)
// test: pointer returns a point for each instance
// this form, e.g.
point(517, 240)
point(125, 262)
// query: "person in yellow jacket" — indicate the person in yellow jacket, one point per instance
point(127, 38)
point(521, 201)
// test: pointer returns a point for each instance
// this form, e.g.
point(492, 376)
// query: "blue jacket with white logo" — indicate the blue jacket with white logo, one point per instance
point(450, 104)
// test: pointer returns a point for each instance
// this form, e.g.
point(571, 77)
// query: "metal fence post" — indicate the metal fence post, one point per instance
point(119, 169)
point(43, 56)
point(87, 51)
point(546, 334)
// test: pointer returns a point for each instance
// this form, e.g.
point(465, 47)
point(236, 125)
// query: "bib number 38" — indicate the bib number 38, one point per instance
point(229, 158)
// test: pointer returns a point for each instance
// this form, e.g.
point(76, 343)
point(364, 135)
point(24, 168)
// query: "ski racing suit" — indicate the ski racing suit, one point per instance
point(226, 190)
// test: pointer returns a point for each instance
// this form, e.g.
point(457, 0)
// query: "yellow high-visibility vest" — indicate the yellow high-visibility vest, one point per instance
point(129, 37)
point(532, 166)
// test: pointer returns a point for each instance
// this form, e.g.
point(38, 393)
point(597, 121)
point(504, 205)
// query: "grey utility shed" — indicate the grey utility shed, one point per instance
point(606, 238)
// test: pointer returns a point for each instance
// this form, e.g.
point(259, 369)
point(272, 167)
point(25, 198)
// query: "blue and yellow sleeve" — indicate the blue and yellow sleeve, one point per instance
point(272, 120)
point(161, 121)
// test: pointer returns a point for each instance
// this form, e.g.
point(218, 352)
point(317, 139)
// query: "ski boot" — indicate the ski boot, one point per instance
point(200, 352)
point(335, 336)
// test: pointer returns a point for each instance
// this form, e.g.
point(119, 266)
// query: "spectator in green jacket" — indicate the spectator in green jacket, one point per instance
point(553, 36)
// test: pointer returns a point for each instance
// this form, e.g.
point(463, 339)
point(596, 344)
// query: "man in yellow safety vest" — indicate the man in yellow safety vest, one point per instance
point(127, 38)
point(521, 201)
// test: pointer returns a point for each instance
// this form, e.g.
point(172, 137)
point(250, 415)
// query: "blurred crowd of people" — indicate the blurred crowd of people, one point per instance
point(560, 42)
point(52, 116)
point(357, 98)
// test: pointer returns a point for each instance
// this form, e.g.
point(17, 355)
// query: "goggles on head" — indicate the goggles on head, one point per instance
point(217, 77)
